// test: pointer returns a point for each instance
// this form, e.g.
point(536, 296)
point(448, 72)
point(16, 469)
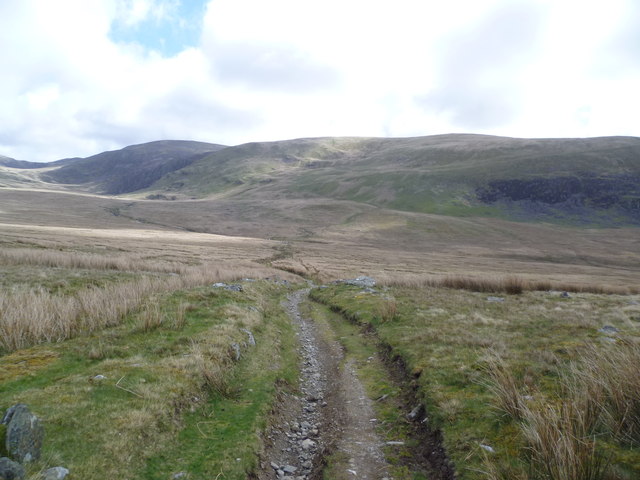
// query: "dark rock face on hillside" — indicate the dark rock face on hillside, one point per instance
point(568, 193)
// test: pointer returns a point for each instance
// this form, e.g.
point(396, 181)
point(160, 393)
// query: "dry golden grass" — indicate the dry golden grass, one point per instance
point(509, 399)
point(387, 309)
point(562, 444)
point(34, 316)
point(72, 260)
point(510, 284)
point(607, 381)
point(601, 398)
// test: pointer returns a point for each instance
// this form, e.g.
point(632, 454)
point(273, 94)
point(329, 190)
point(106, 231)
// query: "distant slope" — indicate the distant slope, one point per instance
point(22, 164)
point(594, 181)
point(130, 169)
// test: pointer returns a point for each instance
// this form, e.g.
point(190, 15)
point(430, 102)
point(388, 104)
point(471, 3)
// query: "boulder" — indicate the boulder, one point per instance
point(10, 470)
point(24, 434)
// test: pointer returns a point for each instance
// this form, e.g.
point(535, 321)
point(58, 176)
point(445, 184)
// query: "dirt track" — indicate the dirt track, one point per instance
point(332, 415)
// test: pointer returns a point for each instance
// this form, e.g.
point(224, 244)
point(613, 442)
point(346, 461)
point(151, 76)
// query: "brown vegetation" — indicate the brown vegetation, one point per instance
point(601, 399)
point(33, 316)
point(510, 284)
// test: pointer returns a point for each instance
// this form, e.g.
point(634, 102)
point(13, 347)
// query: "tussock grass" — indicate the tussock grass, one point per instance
point(561, 443)
point(34, 316)
point(511, 284)
point(600, 399)
point(387, 309)
point(150, 318)
point(507, 394)
point(608, 382)
point(77, 260)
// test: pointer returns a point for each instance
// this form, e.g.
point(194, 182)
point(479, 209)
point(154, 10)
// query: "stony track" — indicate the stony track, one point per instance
point(332, 415)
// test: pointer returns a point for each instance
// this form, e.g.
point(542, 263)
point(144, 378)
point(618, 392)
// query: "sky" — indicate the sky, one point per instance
point(79, 77)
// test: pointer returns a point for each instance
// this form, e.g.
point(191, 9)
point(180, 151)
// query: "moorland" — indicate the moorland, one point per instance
point(506, 304)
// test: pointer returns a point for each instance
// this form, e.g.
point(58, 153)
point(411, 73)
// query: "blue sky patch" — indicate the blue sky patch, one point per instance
point(167, 27)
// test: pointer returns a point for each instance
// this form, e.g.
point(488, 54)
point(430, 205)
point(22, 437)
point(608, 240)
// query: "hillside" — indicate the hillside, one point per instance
point(130, 169)
point(579, 181)
point(22, 164)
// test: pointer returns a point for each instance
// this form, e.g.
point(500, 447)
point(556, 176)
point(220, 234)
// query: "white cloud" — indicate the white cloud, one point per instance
point(288, 68)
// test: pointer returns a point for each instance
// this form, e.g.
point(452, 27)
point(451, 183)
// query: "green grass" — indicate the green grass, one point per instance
point(145, 419)
point(444, 336)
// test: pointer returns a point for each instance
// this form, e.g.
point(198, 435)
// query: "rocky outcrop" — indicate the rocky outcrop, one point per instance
point(24, 434)
point(570, 194)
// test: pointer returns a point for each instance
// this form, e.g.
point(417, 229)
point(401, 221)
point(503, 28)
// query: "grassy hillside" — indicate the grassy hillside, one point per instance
point(583, 181)
point(132, 168)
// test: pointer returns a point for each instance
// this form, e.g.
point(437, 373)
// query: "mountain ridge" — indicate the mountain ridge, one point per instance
point(580, 181)
point(131, 168)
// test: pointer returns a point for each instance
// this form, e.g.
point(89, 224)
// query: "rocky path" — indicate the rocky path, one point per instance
point(332, 416)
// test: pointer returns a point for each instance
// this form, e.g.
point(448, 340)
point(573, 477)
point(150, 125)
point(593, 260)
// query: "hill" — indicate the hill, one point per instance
point(131, 168)
point(579, 181)
point(22, 164)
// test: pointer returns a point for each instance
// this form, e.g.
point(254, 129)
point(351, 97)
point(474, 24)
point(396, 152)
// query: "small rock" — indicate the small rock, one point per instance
point(609, 330)
point(236, 350)
point(10, 470)
point(233, 288)
point(416, 412)
point(289, 469)
point(362, 281)
point(565, 295)
point(58, 473)
point(99, 377)
point(487, 448)
point(495, 299)
point(252, 340)
point(275, 466)
point(308, 444)
point(395, 443)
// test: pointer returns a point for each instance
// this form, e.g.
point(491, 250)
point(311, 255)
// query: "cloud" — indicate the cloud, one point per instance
point(480, 71)
point(248, 70)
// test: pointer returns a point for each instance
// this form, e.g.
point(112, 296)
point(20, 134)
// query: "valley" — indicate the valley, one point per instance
point(144, 307)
